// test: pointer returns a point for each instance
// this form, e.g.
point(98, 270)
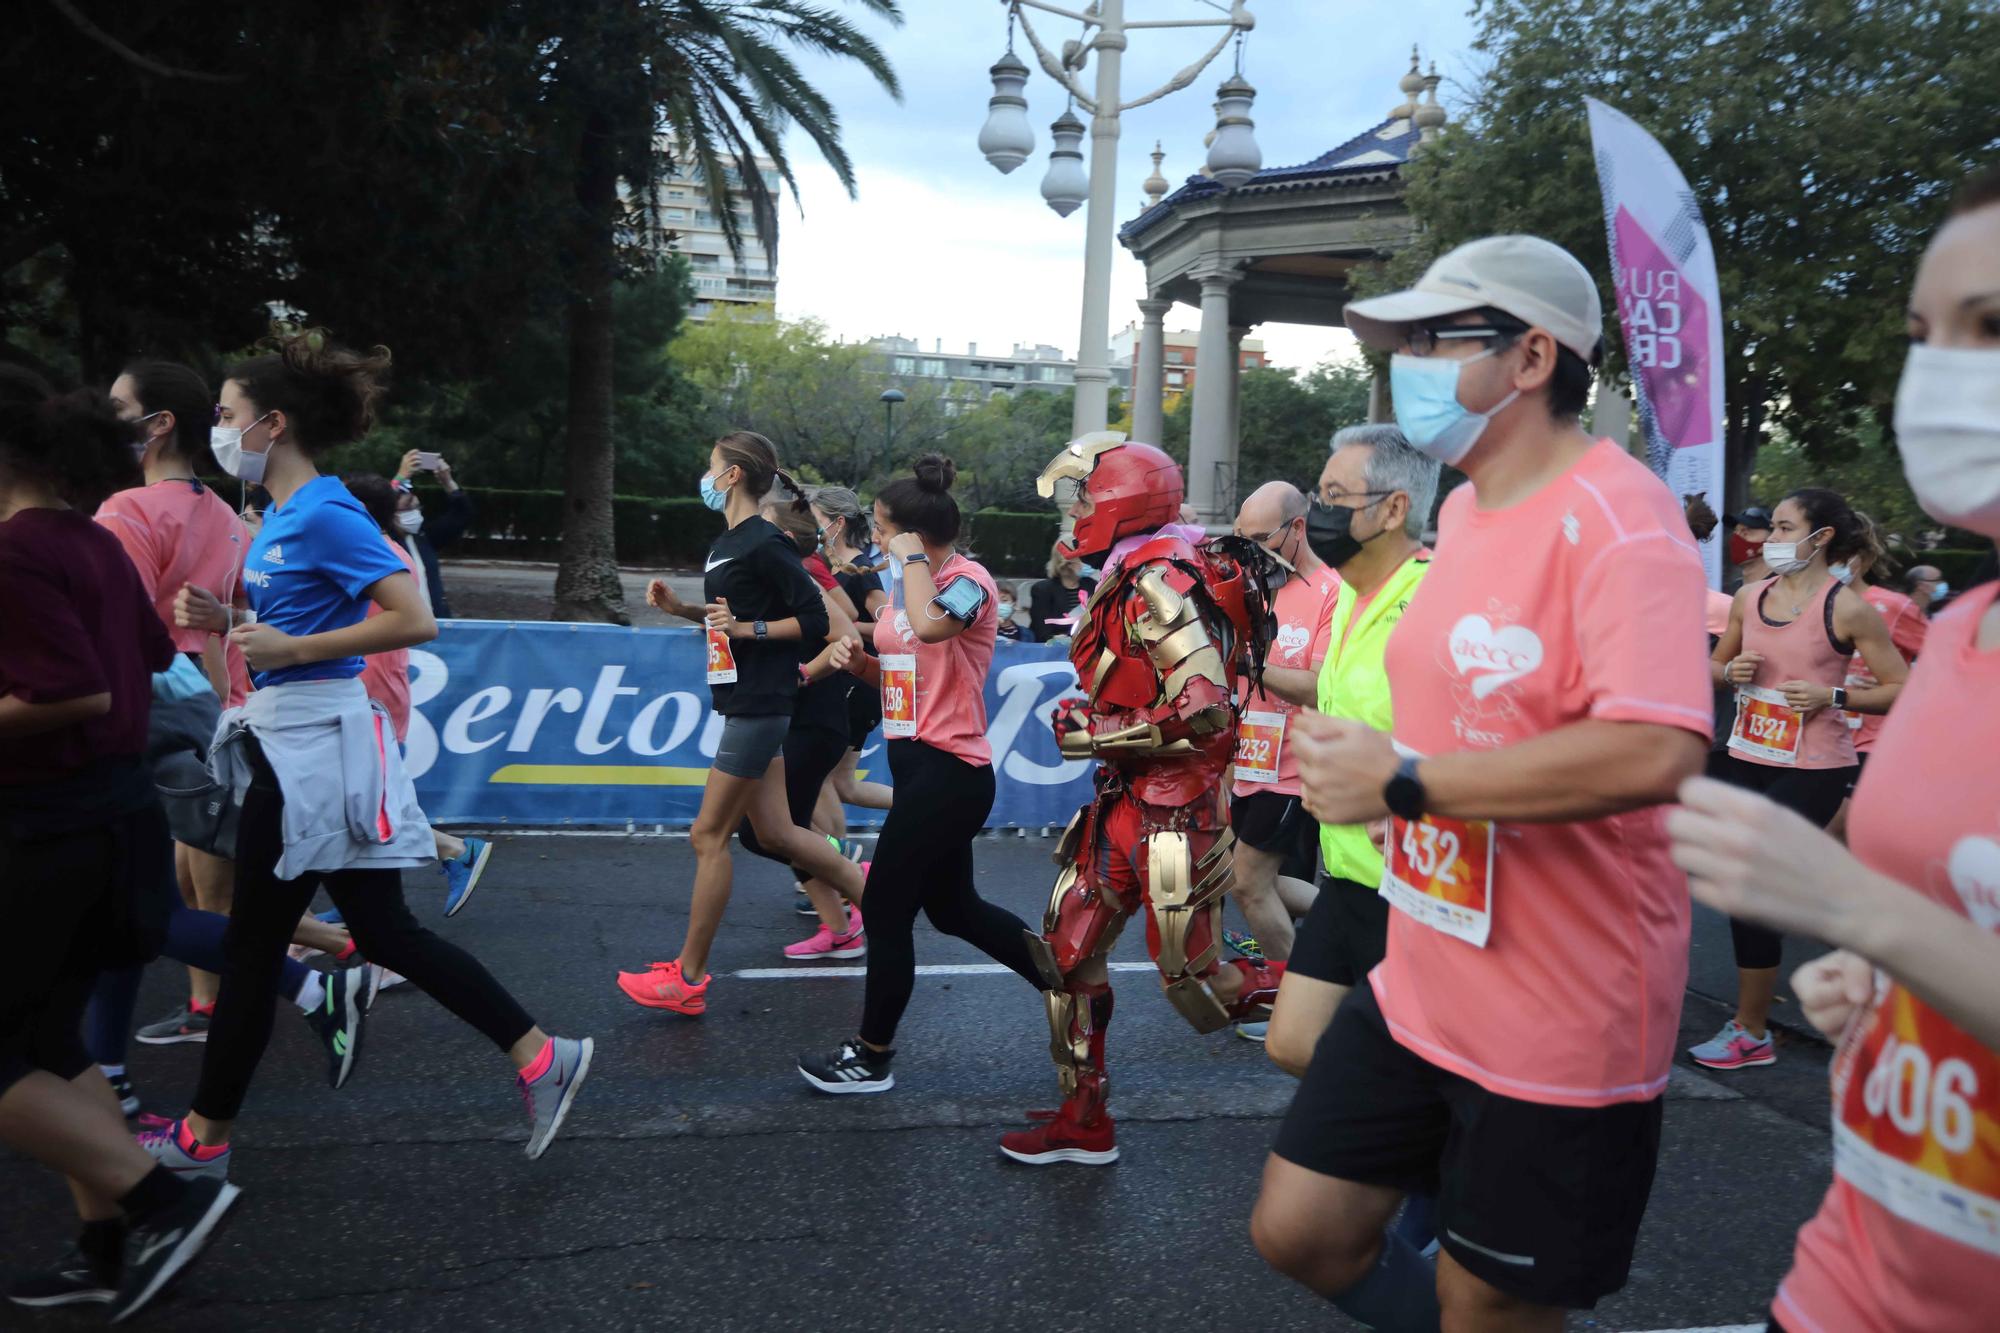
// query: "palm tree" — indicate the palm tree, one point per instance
point(718, 80)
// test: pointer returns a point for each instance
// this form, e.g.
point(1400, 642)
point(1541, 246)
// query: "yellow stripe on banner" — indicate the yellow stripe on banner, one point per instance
point(599, 775)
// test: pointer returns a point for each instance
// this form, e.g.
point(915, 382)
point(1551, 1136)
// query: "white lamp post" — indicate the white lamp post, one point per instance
point(1006, 141)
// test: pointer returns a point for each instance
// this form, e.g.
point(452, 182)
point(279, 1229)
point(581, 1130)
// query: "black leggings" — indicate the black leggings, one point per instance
point(1815, 793)
point(811, 755)
point(57, 896)
point(261, 922)
point(924, 860)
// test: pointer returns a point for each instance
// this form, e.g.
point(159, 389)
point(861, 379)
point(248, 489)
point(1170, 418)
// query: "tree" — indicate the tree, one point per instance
point(1821, 136)
point(1285, 421)
point(714, 81)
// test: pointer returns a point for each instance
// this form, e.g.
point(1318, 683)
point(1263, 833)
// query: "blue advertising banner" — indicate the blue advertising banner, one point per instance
point(596, 725)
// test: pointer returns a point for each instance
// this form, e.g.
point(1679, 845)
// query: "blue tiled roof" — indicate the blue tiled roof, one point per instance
point(1383, 148)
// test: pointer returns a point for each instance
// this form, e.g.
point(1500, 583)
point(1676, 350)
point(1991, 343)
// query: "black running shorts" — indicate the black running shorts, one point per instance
point(1344, 936)
point(1543, 1202)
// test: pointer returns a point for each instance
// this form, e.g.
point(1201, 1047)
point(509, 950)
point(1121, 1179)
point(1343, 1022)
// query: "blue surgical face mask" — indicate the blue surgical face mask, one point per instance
point(715, 499)
point(1427, 408)
point(1087, 570)
point(1842, 572)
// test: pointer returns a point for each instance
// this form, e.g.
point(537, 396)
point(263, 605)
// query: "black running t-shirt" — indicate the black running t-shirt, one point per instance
point(756, 569)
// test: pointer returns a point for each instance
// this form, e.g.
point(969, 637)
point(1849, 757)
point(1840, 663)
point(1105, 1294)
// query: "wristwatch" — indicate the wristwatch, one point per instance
point(1839, 696)
point(759, 628)
point(920, 558)
point(1404, 794)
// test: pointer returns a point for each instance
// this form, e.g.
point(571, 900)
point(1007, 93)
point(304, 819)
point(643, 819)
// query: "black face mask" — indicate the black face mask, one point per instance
point(1328, 532)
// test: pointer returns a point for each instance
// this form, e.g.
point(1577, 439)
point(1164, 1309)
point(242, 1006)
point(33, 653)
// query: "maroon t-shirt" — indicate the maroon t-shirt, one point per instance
point(74, 621)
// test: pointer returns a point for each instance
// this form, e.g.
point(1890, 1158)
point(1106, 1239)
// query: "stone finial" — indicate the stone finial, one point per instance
point(1155, 185)
point(1430, 117)
point(1411, 84)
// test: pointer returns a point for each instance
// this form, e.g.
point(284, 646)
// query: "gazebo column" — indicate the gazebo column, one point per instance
point(1209, 441)
point(1229, 494)
point(1379, 407)
point(1148, 382)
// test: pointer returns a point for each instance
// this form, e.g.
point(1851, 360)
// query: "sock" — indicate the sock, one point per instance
point(1399, 1293)
point(112, 1071)
point(347, 952)
point(157, 1190)
point(103, 1244)
point(185, 1138)
point(312, 992)
point(208, 1008)
point(540, 1064)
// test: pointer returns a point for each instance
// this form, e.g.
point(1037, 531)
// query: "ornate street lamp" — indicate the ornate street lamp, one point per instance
point(1006, 140)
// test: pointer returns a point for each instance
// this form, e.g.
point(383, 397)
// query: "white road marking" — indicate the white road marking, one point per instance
point(925, 970)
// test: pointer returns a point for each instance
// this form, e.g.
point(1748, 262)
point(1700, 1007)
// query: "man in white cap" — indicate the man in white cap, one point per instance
point(1550, 691)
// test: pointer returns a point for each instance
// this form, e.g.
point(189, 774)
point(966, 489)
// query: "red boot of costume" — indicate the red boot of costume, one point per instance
point(1260, 988)
point(1064, 1137)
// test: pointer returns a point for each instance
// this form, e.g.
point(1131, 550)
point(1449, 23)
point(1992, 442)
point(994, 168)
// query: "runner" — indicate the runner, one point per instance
point(813, 746)
point(1375, 496)
point(854, 560)
point(1274, 835)
point(1907, 626)
point(1510, 1052)
point(761, 607)
point(84, 852)
point(176, 530)
point(386, 678)
point(310, 749)
point(934, 651)
point(1787, 649)
point(1905, 1239)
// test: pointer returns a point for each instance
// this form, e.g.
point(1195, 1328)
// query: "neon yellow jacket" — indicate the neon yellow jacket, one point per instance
point(1353, 683)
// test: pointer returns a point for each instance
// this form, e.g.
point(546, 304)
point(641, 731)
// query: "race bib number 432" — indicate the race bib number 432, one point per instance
point(1440, 871)
point(1766, 726)
point(899, 695)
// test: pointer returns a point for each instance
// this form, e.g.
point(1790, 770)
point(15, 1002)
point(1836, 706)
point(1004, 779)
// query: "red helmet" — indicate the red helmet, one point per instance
point(1132, 489)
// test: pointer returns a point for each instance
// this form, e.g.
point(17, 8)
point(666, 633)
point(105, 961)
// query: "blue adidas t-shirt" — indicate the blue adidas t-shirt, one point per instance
point(306, 571)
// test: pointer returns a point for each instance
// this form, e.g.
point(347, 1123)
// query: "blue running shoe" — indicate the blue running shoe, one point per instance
point(461, 876)
point(331, 916)
point(1243, 944)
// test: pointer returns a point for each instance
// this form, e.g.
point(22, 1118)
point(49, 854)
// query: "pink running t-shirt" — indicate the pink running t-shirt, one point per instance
point(179, 532)
point(1909, 1234)
point(386, 676)
point(1768, 731)
point(943, 685)
point(1584, 601)
point(1265, 760)
point(1907, 628)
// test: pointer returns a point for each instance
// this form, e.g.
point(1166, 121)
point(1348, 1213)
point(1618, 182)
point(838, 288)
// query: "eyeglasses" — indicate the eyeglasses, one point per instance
point(1370, 497)
point(1423, 339)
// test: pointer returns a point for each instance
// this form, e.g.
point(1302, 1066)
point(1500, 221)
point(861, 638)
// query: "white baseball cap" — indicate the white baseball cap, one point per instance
point(1536, 281)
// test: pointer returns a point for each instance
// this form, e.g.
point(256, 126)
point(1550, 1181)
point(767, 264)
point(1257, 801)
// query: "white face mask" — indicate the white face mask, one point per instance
point(410, 520)
point(1784, 557)
point(1948, 429)
point(226, 443)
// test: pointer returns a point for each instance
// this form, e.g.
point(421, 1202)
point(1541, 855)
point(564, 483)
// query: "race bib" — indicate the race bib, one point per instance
point(1440, 871)
point(1259, 738)
point(1919, 1120)
point(721, 659)
point(899, 695)
point(1766, 726)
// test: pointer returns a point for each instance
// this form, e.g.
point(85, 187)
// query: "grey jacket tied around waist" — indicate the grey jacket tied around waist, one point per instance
point(335, 755)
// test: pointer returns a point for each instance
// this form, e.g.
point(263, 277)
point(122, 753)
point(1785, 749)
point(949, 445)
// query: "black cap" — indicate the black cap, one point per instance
point(1754, 516)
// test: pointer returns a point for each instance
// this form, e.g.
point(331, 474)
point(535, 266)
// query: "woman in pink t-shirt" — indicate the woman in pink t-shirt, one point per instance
point(935, 643)
point(1909, 1234)
point(1786, 651)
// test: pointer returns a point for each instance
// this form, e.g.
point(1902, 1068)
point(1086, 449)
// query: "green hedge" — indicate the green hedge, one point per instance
point(527, 525)
point(1956, 566)
point(1014, 546)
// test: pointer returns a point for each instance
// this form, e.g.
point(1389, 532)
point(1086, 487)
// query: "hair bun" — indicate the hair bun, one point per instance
point(936, 473)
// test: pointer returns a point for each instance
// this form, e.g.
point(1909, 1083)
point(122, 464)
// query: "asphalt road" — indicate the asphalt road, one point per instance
point(700, 1184)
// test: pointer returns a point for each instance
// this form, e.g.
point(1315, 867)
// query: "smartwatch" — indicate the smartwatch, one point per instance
point(759, 628)
point(918, 559)
point(1404, 793)
point(1839, 696)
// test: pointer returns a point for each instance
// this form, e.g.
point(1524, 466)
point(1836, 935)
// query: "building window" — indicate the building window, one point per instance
point(933, 368)
point(1176, 378)
point(677, 215)
point(906, 365)
point(1176, 357)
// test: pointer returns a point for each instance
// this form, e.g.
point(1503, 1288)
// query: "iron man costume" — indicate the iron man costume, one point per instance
point(1158, 650)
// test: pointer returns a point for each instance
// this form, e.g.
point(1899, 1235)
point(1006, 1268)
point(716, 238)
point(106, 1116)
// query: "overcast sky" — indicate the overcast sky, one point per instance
point(940, 245)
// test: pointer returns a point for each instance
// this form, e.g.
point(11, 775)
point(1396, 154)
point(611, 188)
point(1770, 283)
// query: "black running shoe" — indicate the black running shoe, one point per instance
point(158, 1249)
point(337, 1020)
point(72, 1280)
point(127, 1095)
point(852, 1068)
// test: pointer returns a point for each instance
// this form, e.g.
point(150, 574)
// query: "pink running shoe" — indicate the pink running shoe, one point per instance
point(825, 944)
point(661, 986)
